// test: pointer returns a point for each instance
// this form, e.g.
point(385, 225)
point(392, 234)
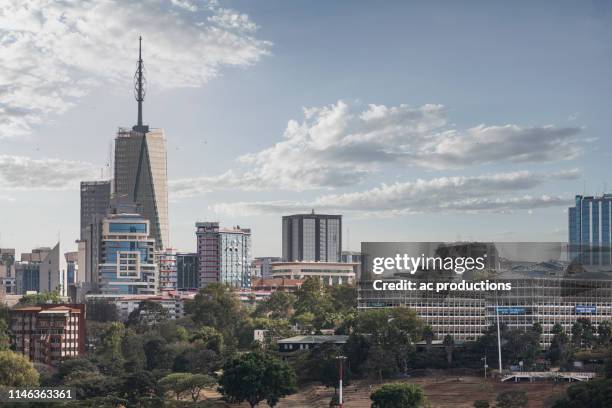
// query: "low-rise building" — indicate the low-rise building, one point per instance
point(330, 273)
point(262, 289)
point(172, 302)
point(308, 342)
point(49, 333)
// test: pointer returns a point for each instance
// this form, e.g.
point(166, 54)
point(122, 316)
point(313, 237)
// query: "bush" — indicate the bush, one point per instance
point(398, 396)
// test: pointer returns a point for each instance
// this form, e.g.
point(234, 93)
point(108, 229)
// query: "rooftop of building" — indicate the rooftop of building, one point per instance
point(315, 263)
point(315, 339)
point(313, 214)
point(48, 308)
point(276, 282)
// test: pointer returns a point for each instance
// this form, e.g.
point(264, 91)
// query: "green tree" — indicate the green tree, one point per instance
point(5, 312)
point(74, 365)
point(209, 337)
point(132, 349)
point(197, 359)
point(592, 394)
point(428, 336)
point(449, 347)
point(254, 377)
point(398, 395)
point(41, 298)
point(110, 342)
point(604, 332)
point(5, 337)
point(158, 354)
point(137, 387)
point(390, 335)
point(279, 305)
point(147, 314)
point(16, 370)
point(181, 384)
point(90, 384)
point(583, 333)
point(343, 298)
point(512, 399)
point(102, 310)
point(560, 350)
point(216, 306)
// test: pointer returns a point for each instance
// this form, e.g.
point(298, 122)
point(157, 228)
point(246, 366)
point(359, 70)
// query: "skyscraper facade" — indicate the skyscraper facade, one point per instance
point(141, 170)
point(127, 264)
point(590, 229)
point(312, 237)
point(95, 202)
point(224, 254)
point(236, 257)
point(208, 248)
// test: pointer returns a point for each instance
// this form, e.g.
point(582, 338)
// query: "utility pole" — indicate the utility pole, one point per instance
point(340, 378)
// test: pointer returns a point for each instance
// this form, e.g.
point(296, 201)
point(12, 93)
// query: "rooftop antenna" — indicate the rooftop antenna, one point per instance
point(139, 88)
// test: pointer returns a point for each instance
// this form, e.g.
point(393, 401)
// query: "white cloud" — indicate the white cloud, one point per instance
point(51, 52)
point(25, 173)
point(341, 144)
point(498, 192)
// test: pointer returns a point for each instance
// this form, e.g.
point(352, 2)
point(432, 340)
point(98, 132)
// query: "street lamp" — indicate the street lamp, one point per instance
point(485, 365)
point(340, 377)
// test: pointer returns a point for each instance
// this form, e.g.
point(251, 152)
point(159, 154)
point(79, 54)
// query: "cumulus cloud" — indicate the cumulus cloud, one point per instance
point(21, 173)
point(52, 53)
point(341, 144)
point(499, 192)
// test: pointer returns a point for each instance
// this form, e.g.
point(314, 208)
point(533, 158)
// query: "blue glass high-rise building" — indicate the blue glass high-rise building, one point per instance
point(590, 228)
point(127, 256)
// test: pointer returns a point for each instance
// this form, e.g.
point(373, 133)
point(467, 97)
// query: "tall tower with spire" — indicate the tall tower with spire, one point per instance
point(140, 177)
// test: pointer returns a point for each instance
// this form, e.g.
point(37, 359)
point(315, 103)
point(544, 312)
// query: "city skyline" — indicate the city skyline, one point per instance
point(271, 123)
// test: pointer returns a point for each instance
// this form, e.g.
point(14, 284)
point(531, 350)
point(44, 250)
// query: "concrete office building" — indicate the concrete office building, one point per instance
point(42, 270)
point(7, 271)
point(141, 170)
point(330, 273)
point(49, 333)
point(224, 254)
point(72, 266)
point(353, 257)
point(261, 267)
point(166, 262)
point(27, 277)
point(95, 203)
point(590, 229)
point(127, 264)
point(312, 237)
point(546, 292)
point(187, 278)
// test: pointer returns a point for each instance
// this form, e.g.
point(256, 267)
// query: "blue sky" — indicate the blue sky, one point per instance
point(424, 120)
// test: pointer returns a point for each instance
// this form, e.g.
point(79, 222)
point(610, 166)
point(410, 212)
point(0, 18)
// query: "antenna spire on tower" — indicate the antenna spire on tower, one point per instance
point(139, 88)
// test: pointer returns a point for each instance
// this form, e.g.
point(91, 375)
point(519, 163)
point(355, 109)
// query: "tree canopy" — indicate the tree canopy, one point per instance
point(399, 395)
point(16, 370)
point(255, 377)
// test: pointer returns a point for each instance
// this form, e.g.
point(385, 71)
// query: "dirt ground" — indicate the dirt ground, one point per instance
point(442, 391)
